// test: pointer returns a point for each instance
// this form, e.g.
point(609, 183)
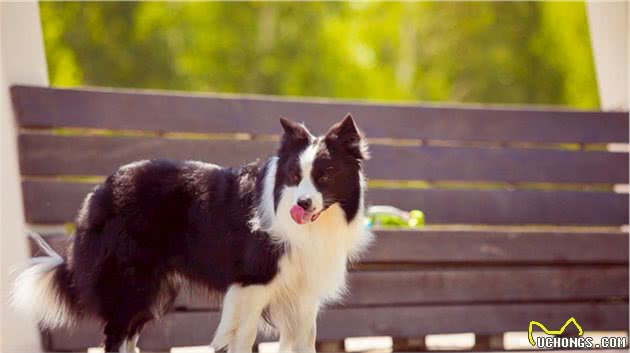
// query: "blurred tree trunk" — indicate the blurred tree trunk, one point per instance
point(407, 57)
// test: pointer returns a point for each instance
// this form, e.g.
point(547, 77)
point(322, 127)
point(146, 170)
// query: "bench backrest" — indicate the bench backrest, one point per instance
point(469, 169)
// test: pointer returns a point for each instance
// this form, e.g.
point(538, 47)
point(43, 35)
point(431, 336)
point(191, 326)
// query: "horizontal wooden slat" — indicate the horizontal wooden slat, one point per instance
point(509, 207)
point(498, 247)
point(75, 155)
point(481, 319)
point(196, 328)
point(168, 111)
point(500, 284)
point(466, 248)
point(42, 154)
point(57, 202)
point(475, 285)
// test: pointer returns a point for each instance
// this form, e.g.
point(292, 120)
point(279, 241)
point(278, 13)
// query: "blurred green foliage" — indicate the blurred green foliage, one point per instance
point(485, 52)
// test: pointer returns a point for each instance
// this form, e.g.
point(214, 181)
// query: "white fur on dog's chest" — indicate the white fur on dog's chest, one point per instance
point(315, 261)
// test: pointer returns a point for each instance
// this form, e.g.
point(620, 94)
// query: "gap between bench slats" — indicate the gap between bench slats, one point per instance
point(196, 328)
point(169, 111)
point(48, 155)
point(58, 202)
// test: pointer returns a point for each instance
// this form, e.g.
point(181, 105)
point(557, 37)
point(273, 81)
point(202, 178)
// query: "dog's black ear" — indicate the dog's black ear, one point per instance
point(293, 131)
point(346, 134)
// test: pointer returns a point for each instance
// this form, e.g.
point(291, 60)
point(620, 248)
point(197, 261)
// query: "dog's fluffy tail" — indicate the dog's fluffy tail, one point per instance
point(45, 291)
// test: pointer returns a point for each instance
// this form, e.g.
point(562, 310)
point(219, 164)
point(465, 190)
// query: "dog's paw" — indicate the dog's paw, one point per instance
point(220, 342)
point(218, 350)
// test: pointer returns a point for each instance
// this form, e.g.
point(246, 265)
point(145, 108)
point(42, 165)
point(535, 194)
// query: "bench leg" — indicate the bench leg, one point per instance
point(492, 342)
point(330, 346)
point(409, 344)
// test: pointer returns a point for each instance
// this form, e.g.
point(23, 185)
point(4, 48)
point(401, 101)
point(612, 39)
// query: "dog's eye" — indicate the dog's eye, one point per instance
point(295, 178)
point(323, 179)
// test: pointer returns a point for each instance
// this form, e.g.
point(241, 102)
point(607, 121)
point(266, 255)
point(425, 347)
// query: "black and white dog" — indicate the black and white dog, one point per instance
point(274, 237)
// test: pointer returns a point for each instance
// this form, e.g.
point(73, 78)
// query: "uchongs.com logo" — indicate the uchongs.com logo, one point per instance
point(554, 339)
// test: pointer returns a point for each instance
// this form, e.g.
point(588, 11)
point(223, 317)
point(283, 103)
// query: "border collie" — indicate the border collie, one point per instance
point(273, 237)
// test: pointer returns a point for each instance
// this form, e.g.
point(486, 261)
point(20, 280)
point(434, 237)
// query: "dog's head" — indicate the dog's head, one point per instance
point(315, 173)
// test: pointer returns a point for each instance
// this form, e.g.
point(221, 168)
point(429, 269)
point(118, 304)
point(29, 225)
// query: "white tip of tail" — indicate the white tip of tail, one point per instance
point(35, 292)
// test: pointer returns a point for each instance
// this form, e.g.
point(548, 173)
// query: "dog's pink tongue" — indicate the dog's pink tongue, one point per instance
point(297, 213)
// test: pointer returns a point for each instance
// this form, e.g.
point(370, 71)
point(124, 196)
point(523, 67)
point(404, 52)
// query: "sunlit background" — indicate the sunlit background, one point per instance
point(483, 52)
point(522, 53)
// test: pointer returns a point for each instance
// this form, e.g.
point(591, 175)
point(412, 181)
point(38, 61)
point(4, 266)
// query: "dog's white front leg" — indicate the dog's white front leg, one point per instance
point(306, 330)
point(296, 323)
point(282, 316)
point(242, 309)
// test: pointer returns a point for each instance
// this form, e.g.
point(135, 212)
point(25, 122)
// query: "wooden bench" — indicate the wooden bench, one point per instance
point(523, 223)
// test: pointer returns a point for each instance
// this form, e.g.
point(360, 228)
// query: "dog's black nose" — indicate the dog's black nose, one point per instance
point(305, 203)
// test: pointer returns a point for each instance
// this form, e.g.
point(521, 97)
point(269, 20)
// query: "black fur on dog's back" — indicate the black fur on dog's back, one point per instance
point(153, 222)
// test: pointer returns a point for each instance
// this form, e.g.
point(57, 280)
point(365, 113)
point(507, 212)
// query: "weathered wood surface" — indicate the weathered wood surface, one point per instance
point(498, 247)
point(410, 283)
point(196, 328)
point(487, 298)
point(169, 111)
point(48, 155)
point(57, 202)
point(509, 206)
point(477, 285)
point(464, 248)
